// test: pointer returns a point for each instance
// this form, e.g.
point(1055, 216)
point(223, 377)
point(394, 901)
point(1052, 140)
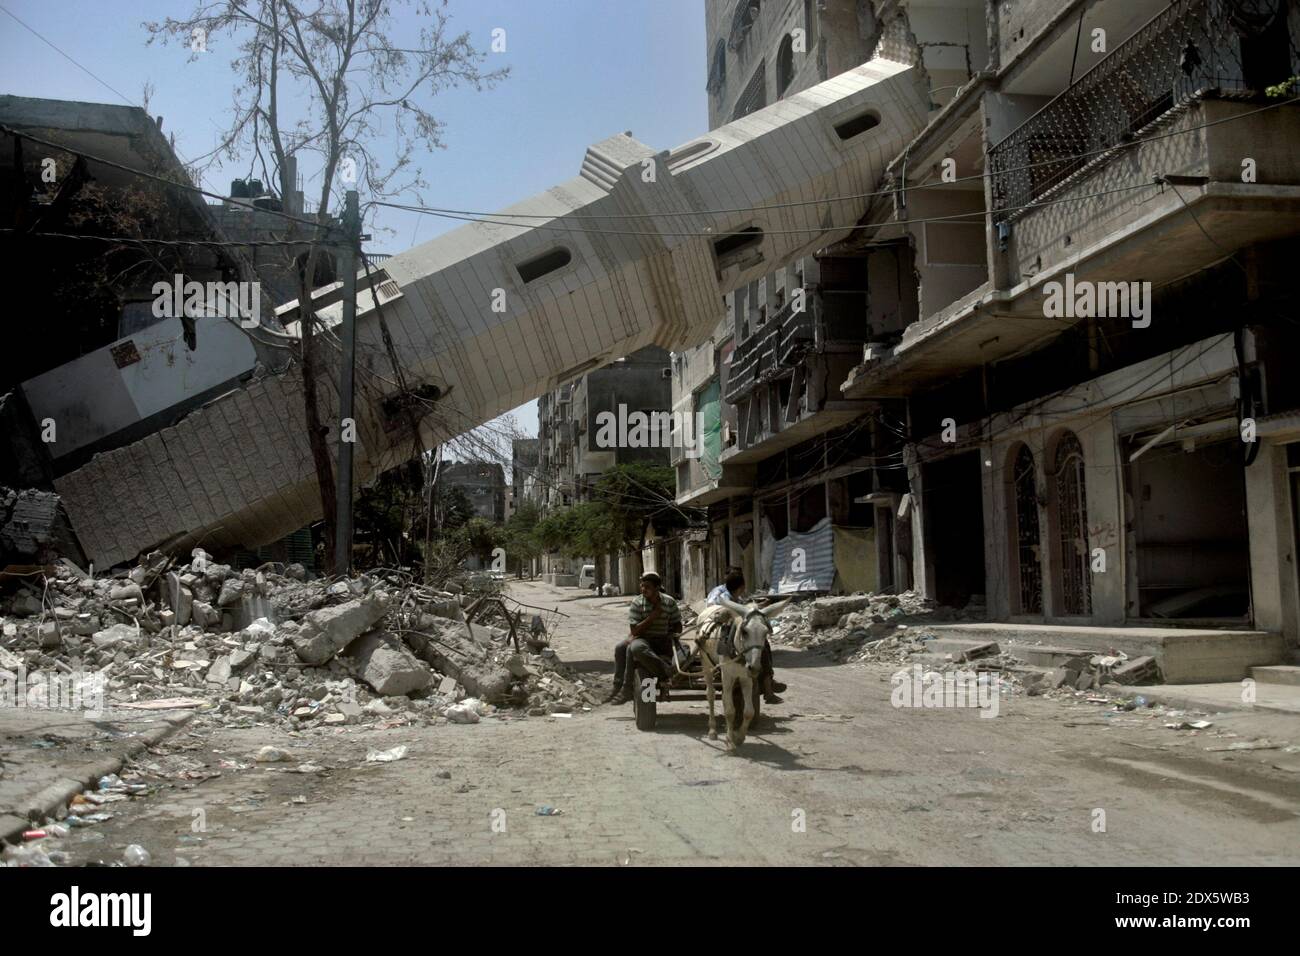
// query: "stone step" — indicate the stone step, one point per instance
point(1184, 655)
point(961, 648)
point(1277, 674)
point(1045, 655)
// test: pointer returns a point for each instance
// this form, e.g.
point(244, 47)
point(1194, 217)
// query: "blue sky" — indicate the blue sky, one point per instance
point(582, 70)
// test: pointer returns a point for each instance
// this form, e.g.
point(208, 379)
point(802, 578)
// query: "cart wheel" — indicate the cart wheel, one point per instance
point(646, 712)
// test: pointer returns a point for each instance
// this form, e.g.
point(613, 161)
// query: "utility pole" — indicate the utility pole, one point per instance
point(347, 370)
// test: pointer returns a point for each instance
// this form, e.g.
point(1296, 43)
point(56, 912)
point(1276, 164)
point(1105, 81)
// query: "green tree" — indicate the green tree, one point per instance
point(521, 542)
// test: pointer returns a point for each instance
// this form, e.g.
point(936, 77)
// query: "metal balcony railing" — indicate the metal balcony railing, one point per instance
point(772, 351)
point(1189, 48)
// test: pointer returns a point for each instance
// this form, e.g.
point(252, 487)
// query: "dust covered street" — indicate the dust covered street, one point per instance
point(834, 776)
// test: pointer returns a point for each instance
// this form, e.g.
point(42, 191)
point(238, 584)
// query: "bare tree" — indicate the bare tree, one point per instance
point(324, 78)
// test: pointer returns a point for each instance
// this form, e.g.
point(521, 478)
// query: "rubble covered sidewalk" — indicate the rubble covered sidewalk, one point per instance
point(161, 646)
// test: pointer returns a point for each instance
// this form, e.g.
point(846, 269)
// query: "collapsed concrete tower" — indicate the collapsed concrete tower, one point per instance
point(639, 249)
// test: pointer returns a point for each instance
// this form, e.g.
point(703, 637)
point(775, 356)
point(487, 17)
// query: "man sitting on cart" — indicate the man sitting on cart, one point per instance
point(733, 589)
point(655, 621)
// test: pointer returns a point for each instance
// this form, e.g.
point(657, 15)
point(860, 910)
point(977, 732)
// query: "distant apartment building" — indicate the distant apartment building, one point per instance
point(525, 458)
point(483, 482)
point(1046, 377)
point(588, 426)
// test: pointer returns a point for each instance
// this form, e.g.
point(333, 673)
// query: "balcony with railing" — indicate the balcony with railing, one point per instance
point(784, 379)
point(772, 352)
point(1163, 158)
point(1191, 49)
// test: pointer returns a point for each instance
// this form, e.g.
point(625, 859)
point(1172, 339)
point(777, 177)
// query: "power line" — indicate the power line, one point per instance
point(83, 69)
point(144, 174)
point(975, 216)
point(204, 243)
point(894, 191)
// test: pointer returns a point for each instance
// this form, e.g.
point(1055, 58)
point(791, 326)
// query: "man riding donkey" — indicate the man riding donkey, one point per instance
point(734, 639)
point(732, 589)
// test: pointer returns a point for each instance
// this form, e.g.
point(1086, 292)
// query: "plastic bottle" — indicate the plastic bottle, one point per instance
point(136, 855)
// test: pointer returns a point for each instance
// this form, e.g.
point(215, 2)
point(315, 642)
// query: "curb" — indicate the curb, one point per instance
point(1174, 699)
point(46, 802)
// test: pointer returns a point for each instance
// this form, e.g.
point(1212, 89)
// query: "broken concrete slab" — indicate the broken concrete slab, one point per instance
point(175, 595)
point(387, 665)
point(127, 592)
point(48, 634)
point(328, 630)
point(219, 672)
point(449, 648)
point(827, 611)
point(205, 615)
point(962, 649)
point(118, 634)
point(232, 589)
point(1136, 671)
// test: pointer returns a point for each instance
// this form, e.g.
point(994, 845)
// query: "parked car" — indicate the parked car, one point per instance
point(587, 577)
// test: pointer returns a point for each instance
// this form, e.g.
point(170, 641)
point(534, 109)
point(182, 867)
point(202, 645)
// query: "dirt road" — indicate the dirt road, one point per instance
point(836, 775)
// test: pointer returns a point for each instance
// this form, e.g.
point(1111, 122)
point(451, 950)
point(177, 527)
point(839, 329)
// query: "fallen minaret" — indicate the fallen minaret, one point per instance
point(639, 249)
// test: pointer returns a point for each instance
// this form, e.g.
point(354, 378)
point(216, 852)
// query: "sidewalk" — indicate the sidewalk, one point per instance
point(1213, 698)
point(47, 756)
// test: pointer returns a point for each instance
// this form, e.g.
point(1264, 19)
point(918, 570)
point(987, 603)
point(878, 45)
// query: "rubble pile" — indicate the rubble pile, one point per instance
point(862, 626)
point(270, 646)
point(894, 630)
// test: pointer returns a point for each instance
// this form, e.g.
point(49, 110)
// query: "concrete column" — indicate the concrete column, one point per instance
point(922, 560)
point(1272, 544)
point(1104, 482)
point(999, 568)
point(884, 551)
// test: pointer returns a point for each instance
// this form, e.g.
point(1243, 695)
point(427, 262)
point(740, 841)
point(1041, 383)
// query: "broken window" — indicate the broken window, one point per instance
point(784, 66)
point(735, 244)
point(548, 262)
point(856, 125)
point(718, 69)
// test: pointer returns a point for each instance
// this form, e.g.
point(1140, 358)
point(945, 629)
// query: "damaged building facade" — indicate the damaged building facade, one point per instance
point(1075, 316)
point(785, 463)
point(97, 229)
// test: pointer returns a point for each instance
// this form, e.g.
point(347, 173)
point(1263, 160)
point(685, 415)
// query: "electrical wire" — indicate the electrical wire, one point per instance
point(854, 197)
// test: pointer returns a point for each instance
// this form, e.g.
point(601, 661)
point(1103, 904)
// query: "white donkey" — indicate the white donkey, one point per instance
point(741, 663)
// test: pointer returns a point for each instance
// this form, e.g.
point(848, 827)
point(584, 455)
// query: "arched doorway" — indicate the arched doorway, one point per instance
point(1070, 523)
point(1024, 532)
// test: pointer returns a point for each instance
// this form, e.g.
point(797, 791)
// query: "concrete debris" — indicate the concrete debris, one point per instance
point(387, 756)
point(387, 665)
point(1140, 670)
point(259, 647)
point(894, 630)
point(326, 632)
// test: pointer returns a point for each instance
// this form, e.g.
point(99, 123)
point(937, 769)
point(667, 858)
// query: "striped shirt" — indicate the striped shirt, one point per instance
point(659, 633)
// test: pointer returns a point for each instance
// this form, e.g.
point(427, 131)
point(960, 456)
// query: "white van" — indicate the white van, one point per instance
point(587, 577)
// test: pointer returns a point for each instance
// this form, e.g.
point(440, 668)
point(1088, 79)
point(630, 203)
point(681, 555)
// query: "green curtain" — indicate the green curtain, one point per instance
point(710, 424)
